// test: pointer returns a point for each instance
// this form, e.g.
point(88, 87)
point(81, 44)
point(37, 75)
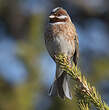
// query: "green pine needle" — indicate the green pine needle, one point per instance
point(85, 93)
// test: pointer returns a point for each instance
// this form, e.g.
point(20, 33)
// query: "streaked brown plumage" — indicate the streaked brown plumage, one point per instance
point(61, 38)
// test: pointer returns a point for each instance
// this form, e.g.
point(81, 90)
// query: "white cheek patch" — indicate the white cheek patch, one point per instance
point(55, 9)
point(61, 17)
point(57, 23)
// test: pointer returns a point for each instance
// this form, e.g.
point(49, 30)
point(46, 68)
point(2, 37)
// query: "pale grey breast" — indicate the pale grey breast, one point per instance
point(59, 40)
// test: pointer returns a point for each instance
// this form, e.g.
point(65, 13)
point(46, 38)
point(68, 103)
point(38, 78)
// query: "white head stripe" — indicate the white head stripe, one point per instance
point(55, 9)
point(62, 17)
point(57, 23)
point(51, 16)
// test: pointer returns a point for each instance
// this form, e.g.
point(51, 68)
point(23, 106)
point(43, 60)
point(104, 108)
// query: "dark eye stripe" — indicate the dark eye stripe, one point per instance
point(53, 20)
point(59, 14)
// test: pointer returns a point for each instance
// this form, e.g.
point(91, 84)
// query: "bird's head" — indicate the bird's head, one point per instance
point(58, 16)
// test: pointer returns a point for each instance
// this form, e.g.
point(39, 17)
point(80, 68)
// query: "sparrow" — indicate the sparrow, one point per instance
point(61, 38)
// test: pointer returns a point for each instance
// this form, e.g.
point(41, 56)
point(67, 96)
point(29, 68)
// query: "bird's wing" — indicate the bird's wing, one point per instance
point(76, 54)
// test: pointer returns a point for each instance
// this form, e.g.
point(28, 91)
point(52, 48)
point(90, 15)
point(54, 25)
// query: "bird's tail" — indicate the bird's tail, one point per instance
point(60, 87)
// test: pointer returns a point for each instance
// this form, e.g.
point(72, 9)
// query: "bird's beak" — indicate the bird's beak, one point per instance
point(51, 16)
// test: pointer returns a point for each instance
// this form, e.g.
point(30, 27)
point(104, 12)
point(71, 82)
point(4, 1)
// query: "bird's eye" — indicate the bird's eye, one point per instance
point(59, 14)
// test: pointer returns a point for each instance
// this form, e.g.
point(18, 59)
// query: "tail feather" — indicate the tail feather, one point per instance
point(53, 89)
point(60, 87)
point(66, 87)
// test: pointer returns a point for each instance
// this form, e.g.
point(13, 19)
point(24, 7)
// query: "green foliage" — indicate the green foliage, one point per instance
point(85, 93)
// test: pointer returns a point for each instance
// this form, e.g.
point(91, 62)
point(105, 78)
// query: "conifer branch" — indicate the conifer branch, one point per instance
point(85, 93)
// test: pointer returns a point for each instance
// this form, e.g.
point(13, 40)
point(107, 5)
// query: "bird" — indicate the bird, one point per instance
point(60, 37)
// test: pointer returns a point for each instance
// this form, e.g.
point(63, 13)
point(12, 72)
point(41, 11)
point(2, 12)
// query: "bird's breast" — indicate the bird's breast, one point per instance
point(63, 45)
point(60, 41)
